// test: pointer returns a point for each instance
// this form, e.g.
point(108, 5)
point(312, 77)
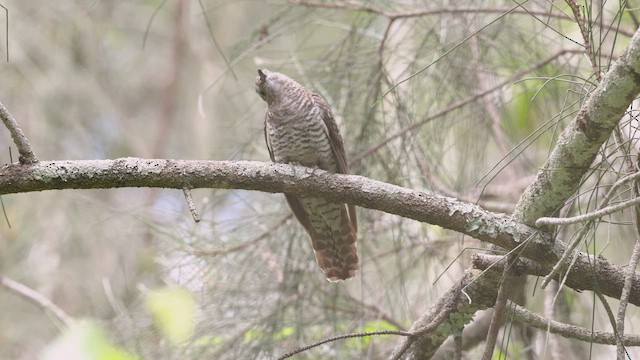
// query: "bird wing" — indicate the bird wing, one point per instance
point(268, 140)
point(337, 146)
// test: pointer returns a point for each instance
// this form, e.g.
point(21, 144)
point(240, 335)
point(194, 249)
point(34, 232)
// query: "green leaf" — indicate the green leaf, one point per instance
point(174, 311)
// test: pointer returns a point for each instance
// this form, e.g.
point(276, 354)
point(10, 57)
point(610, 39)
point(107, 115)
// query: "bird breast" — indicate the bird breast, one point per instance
point(301, 139)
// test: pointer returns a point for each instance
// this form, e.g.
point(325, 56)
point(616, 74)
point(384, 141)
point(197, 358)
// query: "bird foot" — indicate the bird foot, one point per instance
point(311, 170)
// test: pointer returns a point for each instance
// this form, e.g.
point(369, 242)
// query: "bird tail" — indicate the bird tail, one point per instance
point(336, 251)
point(334, 244)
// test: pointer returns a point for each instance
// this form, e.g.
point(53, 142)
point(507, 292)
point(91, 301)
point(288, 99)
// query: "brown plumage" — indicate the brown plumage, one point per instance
point(300, 129)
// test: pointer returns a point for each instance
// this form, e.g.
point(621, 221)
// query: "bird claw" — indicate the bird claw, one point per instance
point(311, 170)
point(293, 166)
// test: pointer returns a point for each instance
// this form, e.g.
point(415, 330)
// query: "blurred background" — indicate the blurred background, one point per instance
point(464, 99)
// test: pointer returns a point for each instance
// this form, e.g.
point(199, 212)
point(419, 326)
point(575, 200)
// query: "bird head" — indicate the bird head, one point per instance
point(268, 84)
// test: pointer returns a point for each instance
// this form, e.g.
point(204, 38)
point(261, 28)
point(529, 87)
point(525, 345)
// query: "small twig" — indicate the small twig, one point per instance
point(628, 280)
point(213, 39)
point(353, 6)
point(192, 206)
point(6, 29)
point(635, 256)
point(344, 336)
point(617, 184)
point(552, 347)
point(36, 298)
point(499, 309)
point(572, 246)
point(494, 115)
point(4, 212)
point(565, 255)
point(22, 143)
point(523, 266)
point(612, 319)
point(626, 291)
point(588, 216)
point(537, 321)
point(585, 36)
point(455, 106)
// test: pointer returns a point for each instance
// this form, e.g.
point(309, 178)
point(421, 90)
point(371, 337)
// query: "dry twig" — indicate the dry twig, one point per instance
point(22, 143)
point(36, 298)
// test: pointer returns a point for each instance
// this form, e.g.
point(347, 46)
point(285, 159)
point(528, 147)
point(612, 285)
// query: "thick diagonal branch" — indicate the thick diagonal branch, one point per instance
point(580, 141)
point(475, 291)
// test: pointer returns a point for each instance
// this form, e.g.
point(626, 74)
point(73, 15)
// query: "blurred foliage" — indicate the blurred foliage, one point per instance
point(85, 340)
point(174, 312)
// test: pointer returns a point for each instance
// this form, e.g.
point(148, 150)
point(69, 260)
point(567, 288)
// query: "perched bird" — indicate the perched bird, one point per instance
point(299, 128)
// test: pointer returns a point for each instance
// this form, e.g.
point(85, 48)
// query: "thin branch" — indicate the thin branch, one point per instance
point(215, 43)
point(497, 320)
point(494, 115)
point(6, 29)
point(36, 298)
point(616, 185)
point(569, 250)
point(612, 319)
point(192, 205)
point(4, 212)
point(458, 105)
point(22, 143)
point(566, 330)
point(628, 282)
point(353, 6)
point(635, 256)
point(520, 267)
point(342, 337)
point(585, 36)
point(588, 216)
point(586, 228)
point(552, 346)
